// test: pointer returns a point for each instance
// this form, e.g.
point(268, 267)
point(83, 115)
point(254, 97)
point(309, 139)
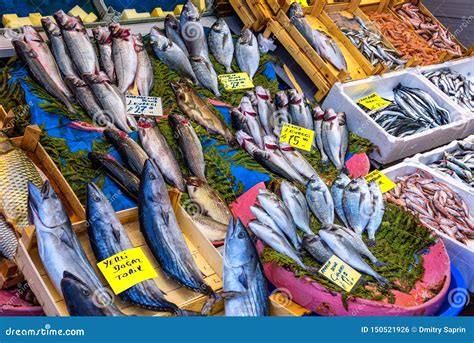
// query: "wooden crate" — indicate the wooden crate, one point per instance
point(245, 14)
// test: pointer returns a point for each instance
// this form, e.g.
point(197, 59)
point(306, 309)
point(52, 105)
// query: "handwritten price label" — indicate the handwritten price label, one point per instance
point(340, 273)
point(144, 105)
point(384, 182)
point(235, 81)
point(297, 136)
point(126, 269)
point(373, 102)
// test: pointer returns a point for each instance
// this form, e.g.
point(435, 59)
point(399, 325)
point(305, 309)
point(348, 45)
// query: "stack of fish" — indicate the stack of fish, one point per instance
point(459, 164)
point(454, 84)
point(372, 46)
point(436, 205)
point(68, 68)
point(324, 45)
point(414, 111)
point(184, 48)
point(429, 29)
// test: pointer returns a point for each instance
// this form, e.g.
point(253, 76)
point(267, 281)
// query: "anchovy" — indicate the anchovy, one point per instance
point(299, 111)
point(221, 44)
point(337, 191)
point(265, 108)
point(317, 248)
point(331, 137)
point(205, 73)
point(247, 53)
point(243, 273)
point(192, 31)
point(320, 200)
point(144, 77)
point(378, 211)
point(173, 32)
point(297, 160)
point(318, 116)
point(124, 55)
point(297, 205)
point(104, 38)
point(356, 202)
point(252, 120)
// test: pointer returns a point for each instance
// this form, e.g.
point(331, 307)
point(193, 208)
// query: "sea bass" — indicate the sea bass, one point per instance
point(173, 32)
point(328, 49)
point(299, 110)
point(331, 137)
point(318, 116)
point(221, 44)
point(320, 200)
point(317, 248)
point(243, 273)
point(8, 239)
point(205, 73)
point(16, 170)
point(144, 75)
point(337, 192)
point(356, 202)
point(295, 200)
point(124, 55)
point(297, 160)
point(266, 219)
point(86, 99)
point(265, 108)
point(104, 38)
point(344, 135)
point(252, 120)
point(281, 115)
point(247, 53)
point(378, 207)
point(190, 145)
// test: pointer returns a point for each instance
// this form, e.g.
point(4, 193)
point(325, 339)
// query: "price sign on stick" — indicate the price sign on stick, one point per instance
point(340, 273)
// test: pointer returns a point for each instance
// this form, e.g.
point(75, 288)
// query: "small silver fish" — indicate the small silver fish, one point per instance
point(296, 202)
point(320, 200)
point(356, 202)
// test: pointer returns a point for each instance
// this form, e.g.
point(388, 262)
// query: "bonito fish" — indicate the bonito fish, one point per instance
point(144, 76)
point(104, 38)
point(124, 56)
point(247, 53)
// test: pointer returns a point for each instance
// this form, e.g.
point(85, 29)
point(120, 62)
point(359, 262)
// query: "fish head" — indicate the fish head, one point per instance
point(318, 113)
point(243, 138)
point(45, 206)
point(50, 27)
point(220, 26)
point(138, 42)
point(31, 35)
point(281, 99)
point(245, 37)
point(74, 82)
point(181, 89)
point(102, 35)
point(355, 185)
point(69, 23)
point(177, 120)
point(190, 11)
point(117, 31)
point(172, 22)
point(311, 239)
point(262, 94)
point(98, 206)
point(289, 188)
point(152, 185)
point(73, 287)
point(342, 118)
point(316, 184)
point(294, 97)
point(342, 180)
point(193, 183)
point(330, 115)
point(239, 249)
point(158, 39)
point(5, 143)
point(270, 142)
point(374, 188)
point(235, 113)
point(296, 10)
point(144, 124)
point(115, 135)
point(91, 78)
point(197, 59)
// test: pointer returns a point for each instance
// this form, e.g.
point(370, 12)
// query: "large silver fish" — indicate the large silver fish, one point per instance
point(221, 44)
point(104, 39)
point(299, 110)
point(155, 145)
point(58, 48)
point(281, 115)
point(318, 116)
point(173, 32)
point(78, 43)
point(296, 202)
point(378, 207)
point(8, 239)
point(320, 200)
point(297, 160)
point(33, 50)
point(317, 248)
point(337, 192)
point(192, 31)
point(212, 229)
point(252, 121)
point(280, 214)
point(86, 99)
point(328, 49)
point(344, 135)
point(265, 108)
point(356, 202)
point(205, 73)
point(144, 77)
point(171, 54)
point(124, 55)
point(297, 17)
point(243, 273)
point(247, 53)
point(266, 219)
point(331, 137)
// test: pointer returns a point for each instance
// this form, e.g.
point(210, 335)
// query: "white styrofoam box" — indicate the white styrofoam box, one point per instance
point(463, 66)
point(437, 154)
point(461, 255)
point(343, 97)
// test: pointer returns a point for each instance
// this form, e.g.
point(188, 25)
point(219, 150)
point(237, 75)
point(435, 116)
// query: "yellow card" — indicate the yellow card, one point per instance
point(297, 136)
point(373, 101)
point(384, 182)
point(235, 81)
point(340, 273)
point(126, 269)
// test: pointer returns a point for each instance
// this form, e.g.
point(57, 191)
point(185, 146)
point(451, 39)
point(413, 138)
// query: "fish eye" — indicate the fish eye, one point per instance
point(54, 195)
point(151, 176)
point(241, 235)
point(86, 292)
point(96, 198)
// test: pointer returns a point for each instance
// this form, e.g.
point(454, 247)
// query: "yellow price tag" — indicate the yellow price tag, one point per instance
point(235, 81)
point(303, 3)
point(373, 101)
point(340, 273)
point(297, 136)
point(384, 182)
point(126, 269)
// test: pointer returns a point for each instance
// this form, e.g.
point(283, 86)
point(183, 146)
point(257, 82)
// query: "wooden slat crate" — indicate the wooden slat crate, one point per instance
point(246, 15)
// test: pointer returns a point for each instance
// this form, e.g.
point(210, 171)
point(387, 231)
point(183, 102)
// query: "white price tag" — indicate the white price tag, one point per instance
point(144, 105)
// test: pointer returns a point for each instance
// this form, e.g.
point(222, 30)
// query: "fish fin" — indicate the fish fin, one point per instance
point(380, 264)
point(371, 243)
point(166, 217)
point(215, 298)
point(116, 233)
point(243, 280)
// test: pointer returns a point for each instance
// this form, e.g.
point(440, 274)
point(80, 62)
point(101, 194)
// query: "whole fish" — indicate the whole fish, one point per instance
point(280, 214)
point(243, 273)
point(264, 218)
point(78, 43)
point(299, 111)
point(80, 298)
point(8, 239)
point(221, 44)
point(104, 38)
point(252, 121)
point(298, 19)
point(110, 100)
point(212, 229)
point(200, 110)
point(275, 241)
point(356, 202)
point(265, 108)
point(239, 121)
point(160, 227)
point(192, 31)
point(129, 150)
point(250, 94)
point(170, 54)
point(108, 237)
point(281, 115)
point(317, 248)
point(58, 48)
point(247, 53)
point(124, 56)
point(86, 99)
point(318, 116)
point(128, 181)
point(297, 160)
point(344, 135)
point(337, 192)
point(173, 32)
point(205, 73)
point(320, 200)
point(144, 74)
point(16, 170)
point(331, 137)
point(34, 51)
point(189, 144)
point(345, 251)
point(155, 145)
point(210, 203)
point(58, 246)
point(378, 211)
point(328, 49)
point(296, 202)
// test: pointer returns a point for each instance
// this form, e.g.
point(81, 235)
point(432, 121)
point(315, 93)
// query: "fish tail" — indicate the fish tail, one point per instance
point(187, 313)
point(214, 299)
point(371, 243)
